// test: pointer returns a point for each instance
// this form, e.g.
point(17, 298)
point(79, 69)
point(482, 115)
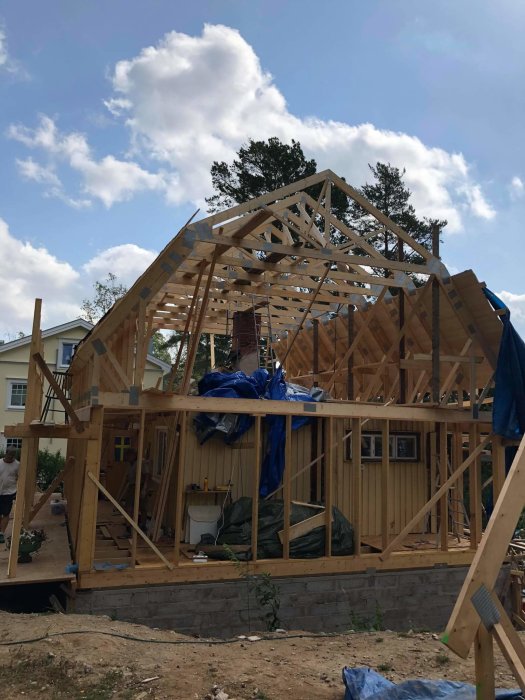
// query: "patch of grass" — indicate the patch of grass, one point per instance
point(385, 667)
point(442, 658)
point(367, 624)
point(105, 688)
point(261, 695)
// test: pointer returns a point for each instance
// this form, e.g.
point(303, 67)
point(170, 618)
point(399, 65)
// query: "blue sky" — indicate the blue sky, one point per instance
point(112, 112)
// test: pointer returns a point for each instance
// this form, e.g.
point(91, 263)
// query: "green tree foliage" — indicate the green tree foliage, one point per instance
point(48, 466)
point(391, 196)
point(260, 167)
point(107, 292)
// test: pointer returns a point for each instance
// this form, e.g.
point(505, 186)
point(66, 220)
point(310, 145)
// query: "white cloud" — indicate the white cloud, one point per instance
point(126, 261)
point(30, 170)
point(109, 179)
point(7, 63)
point(516, 188)
point(4, 57)
point(31, 271)
point(191, 100)
point(516, 306)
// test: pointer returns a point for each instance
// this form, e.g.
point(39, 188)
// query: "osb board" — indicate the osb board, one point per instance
point(49, 564)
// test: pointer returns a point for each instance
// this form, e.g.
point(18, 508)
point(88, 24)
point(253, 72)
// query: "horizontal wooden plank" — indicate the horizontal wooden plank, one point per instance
point(157, 401)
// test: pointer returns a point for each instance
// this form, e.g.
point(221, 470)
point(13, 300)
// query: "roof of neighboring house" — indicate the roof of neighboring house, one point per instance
point(64, 328)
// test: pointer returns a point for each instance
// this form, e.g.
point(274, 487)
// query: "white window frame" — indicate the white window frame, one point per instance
point(375, 440)
point(61, 343)
point(13, 442)
point(10, 384)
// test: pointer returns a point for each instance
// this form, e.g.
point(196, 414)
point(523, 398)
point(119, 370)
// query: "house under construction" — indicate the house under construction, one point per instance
point(400, 357)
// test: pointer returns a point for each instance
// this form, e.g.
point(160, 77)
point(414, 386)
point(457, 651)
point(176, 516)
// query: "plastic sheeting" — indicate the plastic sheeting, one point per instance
point(257, 386)
point(236, 529)
point(508, 411)
point(366, 684)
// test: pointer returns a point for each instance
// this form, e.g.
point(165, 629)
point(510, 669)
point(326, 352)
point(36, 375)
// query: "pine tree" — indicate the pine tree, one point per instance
point(392, 197)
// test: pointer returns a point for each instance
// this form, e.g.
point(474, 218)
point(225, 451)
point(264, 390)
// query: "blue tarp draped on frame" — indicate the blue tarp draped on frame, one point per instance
point(508, 411)
point(259, 385)
point(366, 684)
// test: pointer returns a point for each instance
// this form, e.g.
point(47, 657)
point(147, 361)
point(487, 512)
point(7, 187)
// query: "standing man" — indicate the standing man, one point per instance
point(9, 467)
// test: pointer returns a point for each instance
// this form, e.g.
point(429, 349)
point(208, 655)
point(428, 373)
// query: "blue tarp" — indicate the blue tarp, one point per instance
point(508, 411)
point(366, 684)
point(259, 385)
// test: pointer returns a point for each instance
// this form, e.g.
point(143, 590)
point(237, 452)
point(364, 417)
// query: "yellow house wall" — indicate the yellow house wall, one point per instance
point(14, 365)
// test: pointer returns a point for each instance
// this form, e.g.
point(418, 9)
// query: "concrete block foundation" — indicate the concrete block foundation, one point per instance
point(396, 600)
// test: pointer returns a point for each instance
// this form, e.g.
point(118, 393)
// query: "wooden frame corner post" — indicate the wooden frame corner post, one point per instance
point(89, 507)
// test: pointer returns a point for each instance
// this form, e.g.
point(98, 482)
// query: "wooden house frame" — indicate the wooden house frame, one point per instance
point(395, 359)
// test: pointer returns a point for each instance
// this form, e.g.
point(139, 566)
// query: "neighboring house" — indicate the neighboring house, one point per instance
point(59, 344)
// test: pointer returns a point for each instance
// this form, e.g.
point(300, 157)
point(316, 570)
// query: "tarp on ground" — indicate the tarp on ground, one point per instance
point(236, 529)
point(508, 410)
point(367, 684)
point(231, 427)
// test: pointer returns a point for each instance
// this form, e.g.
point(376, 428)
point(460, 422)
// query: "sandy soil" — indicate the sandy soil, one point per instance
point(99, 667)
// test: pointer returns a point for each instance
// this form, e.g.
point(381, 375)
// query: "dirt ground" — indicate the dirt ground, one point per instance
point(96, 666)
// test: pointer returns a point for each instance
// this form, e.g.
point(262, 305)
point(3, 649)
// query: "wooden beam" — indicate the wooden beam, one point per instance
point(356, 484)
point(385, 485)
point(138, 479)
point(287, 491)
point(329, 486)
point(484, 664)
point(255, 490)
point(486, 565)
point(179, 489)
point(58, 391)
point(338, 409)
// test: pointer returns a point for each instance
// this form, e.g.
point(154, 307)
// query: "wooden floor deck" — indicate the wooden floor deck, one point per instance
point(49, 564)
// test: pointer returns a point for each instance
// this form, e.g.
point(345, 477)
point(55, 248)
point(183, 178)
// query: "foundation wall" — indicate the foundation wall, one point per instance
point(397, 600)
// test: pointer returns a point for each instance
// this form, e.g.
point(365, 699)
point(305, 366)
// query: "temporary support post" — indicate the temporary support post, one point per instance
point(287, 490)
point(484, 662)
point(475, 491)
point(357, 479)
point(350, 360)
point(138, 479)
point(315, 351)
point(328, 485)
point(255, 492)
point(385, 485)
point(183, 427)
point(402, 339)
point(89, 506)
point(436, 381)
point(498, 467)
point(29, 452)
point(443, 476)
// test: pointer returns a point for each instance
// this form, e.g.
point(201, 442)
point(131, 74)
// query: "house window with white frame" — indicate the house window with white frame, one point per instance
point(14, 442)
point(66, 349)
point(16, 393)
point(403, 447)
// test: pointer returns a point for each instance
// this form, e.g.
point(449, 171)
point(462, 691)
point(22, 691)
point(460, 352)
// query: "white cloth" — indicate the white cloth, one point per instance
point(8, 477)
